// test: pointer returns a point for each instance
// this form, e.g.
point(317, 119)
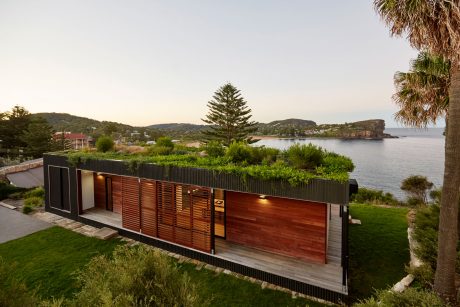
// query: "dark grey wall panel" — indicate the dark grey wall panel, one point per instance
point(319, 190)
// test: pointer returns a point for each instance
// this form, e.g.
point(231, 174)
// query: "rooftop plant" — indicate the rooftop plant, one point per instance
point(241, 159)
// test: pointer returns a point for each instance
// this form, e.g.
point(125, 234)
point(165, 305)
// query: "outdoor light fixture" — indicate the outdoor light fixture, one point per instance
point(261, 196)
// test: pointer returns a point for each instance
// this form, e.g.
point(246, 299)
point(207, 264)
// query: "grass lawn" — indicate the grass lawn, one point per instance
point(49, 258)
point(379, 248)
point(226, 290)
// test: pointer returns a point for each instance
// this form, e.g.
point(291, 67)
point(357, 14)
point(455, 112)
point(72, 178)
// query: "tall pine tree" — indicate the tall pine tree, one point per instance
point(229, 117)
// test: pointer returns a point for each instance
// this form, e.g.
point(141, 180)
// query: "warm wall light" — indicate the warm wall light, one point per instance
point(261, 196)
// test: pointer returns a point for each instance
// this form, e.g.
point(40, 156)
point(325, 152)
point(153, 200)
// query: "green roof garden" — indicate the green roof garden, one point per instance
point(296, 165)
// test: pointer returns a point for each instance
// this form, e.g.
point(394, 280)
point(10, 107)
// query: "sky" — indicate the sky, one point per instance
point(149, 62)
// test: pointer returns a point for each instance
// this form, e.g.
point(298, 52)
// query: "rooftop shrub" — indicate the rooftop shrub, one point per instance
point(104, 143)
point(239, 152)
point(304, 156)
point(240, 159)
point(214, 149)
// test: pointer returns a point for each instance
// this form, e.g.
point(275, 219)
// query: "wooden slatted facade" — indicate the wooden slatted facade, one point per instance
point(172, 212)
point(130, 217)
point(148, 208)
point(283, 226)
point(184, 215)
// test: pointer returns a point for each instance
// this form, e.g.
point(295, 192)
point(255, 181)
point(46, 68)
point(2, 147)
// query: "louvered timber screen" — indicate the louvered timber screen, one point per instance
point(184, 215)
point(148, 208)
point(131, 212)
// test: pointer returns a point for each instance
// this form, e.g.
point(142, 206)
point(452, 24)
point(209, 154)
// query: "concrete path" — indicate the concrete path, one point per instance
point(14, 224)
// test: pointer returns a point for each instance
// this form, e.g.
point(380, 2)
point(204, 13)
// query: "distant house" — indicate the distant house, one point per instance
point(73, 140)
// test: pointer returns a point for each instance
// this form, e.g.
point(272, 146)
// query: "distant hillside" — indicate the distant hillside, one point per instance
point(72, 123)
point(293, 127)
point(177, 126)
point(286, 127)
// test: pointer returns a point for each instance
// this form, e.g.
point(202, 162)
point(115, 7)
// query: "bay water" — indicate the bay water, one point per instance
point(383, 164)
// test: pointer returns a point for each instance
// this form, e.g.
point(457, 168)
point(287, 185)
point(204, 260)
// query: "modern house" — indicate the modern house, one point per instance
point(292, 236)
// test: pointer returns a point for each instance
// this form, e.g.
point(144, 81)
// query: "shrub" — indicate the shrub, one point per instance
point(26, 209)
point(37, 192)
point(214, 149)
point(410, 297)
point(333, 162)
point(157, 150)
point(165, 142)
point(371, 196)
point(305, 156)
point(239, 153)
point(7, 189)
point(16, 195)
point(426, 234)
point(13, 292)
point(33, 201)
point(104, 143)
point(436, 195)
point(414, 202)
point(424, 275)
point(264, 155)
point(134, 277)
point(416, 187)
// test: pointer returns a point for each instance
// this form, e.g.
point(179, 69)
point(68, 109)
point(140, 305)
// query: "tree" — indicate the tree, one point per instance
point(434, 26)
point(417, 187)
point(423, 92)
point(38, 137)
point(229, 117)
point(12, 126)
point(104, 143)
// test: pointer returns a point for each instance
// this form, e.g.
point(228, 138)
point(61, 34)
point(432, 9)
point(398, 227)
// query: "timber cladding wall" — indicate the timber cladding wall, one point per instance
point(284, 226)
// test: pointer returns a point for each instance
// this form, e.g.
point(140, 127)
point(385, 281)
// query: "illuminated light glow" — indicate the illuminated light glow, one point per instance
point(261, 196)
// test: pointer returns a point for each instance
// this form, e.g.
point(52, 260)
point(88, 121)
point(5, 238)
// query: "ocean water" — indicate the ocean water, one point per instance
point(383, 164)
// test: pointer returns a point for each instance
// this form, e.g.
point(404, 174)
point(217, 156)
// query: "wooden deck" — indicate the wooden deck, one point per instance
point(328, 276)
point(103, 216)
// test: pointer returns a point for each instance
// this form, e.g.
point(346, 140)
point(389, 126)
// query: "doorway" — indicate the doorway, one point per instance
point(219, 213)
point(108, 195)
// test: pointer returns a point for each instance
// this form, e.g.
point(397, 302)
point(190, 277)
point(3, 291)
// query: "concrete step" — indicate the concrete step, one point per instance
point(105, 233)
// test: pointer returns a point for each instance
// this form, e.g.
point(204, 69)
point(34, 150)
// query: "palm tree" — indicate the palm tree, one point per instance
point(434, 26)
point(423, 93)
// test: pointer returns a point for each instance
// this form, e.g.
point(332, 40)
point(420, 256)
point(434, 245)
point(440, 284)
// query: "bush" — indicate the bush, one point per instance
point(426, 234)
point(239, 153)
point(16, 195)
point(305, 156)
point(104, 143)
point(157, 150)
point(214, 149)
point(410, 298)
point(26, 209)
point(371, 196)
point(7, 189)
point(264, 155)
point(34, 201)
point(416, 187)
point(424, 275)
point(134, 277)
point(37, 192)
point(165, 142)
point(333, 162)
